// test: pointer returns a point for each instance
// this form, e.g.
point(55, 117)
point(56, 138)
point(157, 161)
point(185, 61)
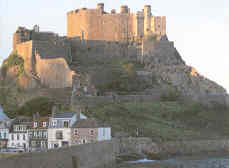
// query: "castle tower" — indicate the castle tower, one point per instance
point(124, 9)
point(147, 19)
point(100, 6)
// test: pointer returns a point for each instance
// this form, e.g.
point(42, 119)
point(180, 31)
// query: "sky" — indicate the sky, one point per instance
point(199, 28)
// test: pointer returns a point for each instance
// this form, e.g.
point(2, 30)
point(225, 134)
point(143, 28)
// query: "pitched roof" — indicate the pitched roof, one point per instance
point(89, 123)
point(64, 115)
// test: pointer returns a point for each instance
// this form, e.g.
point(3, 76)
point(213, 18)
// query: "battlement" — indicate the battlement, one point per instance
point(97, 24)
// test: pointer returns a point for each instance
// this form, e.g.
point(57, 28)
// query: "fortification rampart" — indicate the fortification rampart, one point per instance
point(95, 155)
point(96, 49)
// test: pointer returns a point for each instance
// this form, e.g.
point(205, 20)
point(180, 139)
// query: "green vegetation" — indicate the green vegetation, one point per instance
point(122, 77)
point(13, 60)
point(163, 121)
point(42, 105)
point(171, 95)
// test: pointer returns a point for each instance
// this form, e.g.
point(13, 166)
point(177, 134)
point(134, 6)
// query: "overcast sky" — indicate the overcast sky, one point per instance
point(199, 28)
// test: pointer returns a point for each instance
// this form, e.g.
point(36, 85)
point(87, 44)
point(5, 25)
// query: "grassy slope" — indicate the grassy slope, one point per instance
point(164, 120)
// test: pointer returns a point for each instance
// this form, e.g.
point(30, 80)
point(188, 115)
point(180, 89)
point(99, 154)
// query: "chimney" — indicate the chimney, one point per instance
point(38, 116)
point(54, 110)
point(78, 112)
point(34, 117)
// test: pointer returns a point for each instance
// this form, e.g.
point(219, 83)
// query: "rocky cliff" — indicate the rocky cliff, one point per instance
point(164, 61)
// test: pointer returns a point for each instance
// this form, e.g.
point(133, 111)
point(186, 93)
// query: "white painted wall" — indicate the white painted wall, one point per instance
point(104, 134)
point(15, 142)
point(52, 136)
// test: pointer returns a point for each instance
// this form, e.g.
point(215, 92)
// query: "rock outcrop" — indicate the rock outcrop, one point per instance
point(166, 64)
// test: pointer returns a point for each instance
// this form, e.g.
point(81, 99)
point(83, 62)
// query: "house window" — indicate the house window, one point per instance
point(0, 135)
point(59, 135)
point(35, 125)
point(44, 124)
point(92, 132)
point(54, 123)
point(24, 137)
point(65, 124)
point(40, 133)
point(84, 141)
point(5, 135)
point(18, 137)
point(12, 136)
point(76, 132)
point(45, 134)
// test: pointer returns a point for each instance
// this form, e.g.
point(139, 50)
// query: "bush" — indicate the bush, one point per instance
point(13, 60)
point(172, 95)
point(42, 105)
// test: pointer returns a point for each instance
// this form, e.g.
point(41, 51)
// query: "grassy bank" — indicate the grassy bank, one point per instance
point(163, 120)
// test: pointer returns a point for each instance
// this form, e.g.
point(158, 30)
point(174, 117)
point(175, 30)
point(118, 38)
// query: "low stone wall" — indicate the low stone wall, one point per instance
point(194, 147)
point(96, 155)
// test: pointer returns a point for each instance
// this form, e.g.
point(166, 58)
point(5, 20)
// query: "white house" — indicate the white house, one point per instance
point(18, 136)
point(59, 131)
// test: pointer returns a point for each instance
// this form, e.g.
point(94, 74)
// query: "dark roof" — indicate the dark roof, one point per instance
point(64, 115)
point(89, 123)
point(22, 120)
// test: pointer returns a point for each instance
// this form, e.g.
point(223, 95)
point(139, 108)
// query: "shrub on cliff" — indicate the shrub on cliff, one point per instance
point(13, 60)
point(171, 95)
point(42, 105)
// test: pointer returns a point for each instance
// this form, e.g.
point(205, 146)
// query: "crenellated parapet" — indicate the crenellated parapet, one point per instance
point(96, 24)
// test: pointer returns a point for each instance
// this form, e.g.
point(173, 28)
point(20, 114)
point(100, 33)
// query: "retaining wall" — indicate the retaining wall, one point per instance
point(96, 155)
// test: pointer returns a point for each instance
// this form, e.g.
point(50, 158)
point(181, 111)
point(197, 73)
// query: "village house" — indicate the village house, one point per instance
point(38, 134)
point(4, 129)
point(18, 136)
point(89, 131)
point(59, 132)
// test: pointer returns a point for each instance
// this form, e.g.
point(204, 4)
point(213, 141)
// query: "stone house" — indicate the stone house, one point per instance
point(38, 134)
point(89, 131)
point(59, 131)
point(18, 135)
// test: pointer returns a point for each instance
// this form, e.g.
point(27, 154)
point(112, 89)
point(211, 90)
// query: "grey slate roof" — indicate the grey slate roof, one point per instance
point(64, 115)
point(89, 123)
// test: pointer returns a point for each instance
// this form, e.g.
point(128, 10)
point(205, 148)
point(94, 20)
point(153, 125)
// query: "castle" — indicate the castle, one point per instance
point(96, 24)
point(90, 32)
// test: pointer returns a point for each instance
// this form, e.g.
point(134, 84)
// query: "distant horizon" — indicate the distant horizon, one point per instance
point(199, 29)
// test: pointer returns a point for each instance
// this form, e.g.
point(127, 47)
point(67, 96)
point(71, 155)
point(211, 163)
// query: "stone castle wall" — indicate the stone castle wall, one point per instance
point(92, 24)
point(96, 24)
point(94, 155)
point(95, 49)
point(54, 73)
point(45, 61)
